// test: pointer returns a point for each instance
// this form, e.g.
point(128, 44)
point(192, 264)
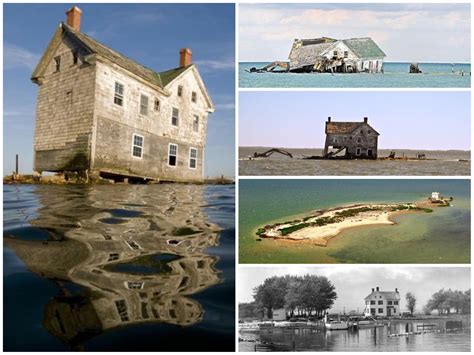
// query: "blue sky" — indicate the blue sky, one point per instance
point(433, 120)
point(406, 32)
point(151, 34)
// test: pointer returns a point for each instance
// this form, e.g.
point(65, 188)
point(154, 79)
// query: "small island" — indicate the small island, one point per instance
point(322, 225)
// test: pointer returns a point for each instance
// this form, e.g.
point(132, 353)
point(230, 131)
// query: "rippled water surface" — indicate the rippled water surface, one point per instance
point(366, 339)
point(119, 268)
point(450, 163)
point(435, 75)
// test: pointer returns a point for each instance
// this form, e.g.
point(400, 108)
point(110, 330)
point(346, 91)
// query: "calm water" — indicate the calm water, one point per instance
point(119, 268)
point(446, 163)
point(396, 76)
point(362, 340)
point(439, 237)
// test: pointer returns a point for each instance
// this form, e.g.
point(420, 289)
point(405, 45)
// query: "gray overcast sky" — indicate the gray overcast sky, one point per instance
point(437, 33)
point(432, 120)
point(354, 283)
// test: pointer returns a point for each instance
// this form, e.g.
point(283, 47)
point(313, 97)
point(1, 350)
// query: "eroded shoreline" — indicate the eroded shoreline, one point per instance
point(320, 226)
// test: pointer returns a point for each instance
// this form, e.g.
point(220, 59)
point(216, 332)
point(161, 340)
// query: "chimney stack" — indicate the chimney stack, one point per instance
point(73, 18)
point(185, 57)
point(373, 290)
point(329, 119)
point(377, 289)
point(396, 290)
point(366, 119)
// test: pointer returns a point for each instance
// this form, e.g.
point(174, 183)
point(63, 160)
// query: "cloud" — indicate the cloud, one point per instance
point(223, 64)
point(406, 33)
point(17, 57)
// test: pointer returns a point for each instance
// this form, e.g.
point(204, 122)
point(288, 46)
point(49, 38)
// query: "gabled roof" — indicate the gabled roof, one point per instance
point(345, 127)
point(158, 79)
point(390, 295)
point(364, 48)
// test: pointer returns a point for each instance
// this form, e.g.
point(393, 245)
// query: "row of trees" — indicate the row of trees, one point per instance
point(308, 295)
point(447, 301)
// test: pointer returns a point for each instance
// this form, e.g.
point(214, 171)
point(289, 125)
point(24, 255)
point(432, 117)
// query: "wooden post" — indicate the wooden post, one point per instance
point(16, 164)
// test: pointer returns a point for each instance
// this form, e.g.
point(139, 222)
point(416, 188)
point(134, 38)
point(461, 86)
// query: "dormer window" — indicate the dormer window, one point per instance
point(180, 90)
point(57, 63)
point(194, 96)
point(75, 57)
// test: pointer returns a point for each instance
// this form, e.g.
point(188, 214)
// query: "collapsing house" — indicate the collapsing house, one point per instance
point(350, 140)
point(354, 55)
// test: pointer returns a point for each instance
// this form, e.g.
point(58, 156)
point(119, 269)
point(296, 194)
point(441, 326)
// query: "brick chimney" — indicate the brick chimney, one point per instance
point(377, 288)
point(73, 18)
point(396, 290)
point(373, 290)
point(185, 57)
point(366, 119)
point(329, 119)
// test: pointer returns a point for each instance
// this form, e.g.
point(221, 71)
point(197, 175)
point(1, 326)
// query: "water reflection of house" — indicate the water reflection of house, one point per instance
point(139, 256)
point(382, 303)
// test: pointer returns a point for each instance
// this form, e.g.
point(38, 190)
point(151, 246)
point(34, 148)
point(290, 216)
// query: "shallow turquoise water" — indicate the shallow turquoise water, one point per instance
point(435, 75)
point(439, 237)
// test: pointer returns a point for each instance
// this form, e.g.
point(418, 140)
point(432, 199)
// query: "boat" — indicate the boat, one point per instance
point(332, 324)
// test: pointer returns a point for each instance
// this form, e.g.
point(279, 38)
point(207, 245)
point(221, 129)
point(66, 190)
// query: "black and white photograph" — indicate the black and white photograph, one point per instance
point(348, 308)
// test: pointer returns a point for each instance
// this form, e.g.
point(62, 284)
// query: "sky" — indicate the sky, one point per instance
point(354, 284)
point(433, 120)
point(438, 33)
point(151, 34)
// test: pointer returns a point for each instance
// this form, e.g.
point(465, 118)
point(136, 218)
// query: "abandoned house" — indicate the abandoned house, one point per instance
point(102, 113)
point(354, 55)
point(350, 140)
point(382, 303)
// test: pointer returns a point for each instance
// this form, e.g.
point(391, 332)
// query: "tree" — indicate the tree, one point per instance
point(411, 302)
point(446, 300)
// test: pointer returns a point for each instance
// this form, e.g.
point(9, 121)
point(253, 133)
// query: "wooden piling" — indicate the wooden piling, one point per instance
point(16, 164)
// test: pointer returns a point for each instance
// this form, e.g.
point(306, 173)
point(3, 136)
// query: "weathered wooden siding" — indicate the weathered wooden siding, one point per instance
point(64, 114)
point(115, 126)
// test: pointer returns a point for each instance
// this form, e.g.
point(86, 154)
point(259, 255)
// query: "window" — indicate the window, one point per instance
point(172, 154)
point(346, 54)
point(175, 117)
point(358, 140)
point(121, 307)
point(157, 105)
point(196, 123)
point(358, 151)
point(369, 131)
point(380, 302)
point(134, 285)
point(194, 96)
point(335, 53)
point(193, 154)
point(380, 310)
point(137, 146)
point(143, 105)
point(389, 303)
point(395, 303)
point(57, 62)
point(113, 256)
point(118, 96)
point(180, 90)
point(75, 56)
point(350, 137)
point(372, 302)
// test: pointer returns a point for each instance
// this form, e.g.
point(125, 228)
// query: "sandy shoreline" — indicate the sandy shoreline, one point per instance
point(321, 226)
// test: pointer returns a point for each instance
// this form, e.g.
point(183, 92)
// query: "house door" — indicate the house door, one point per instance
point(369, 152)
point(389, 312)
